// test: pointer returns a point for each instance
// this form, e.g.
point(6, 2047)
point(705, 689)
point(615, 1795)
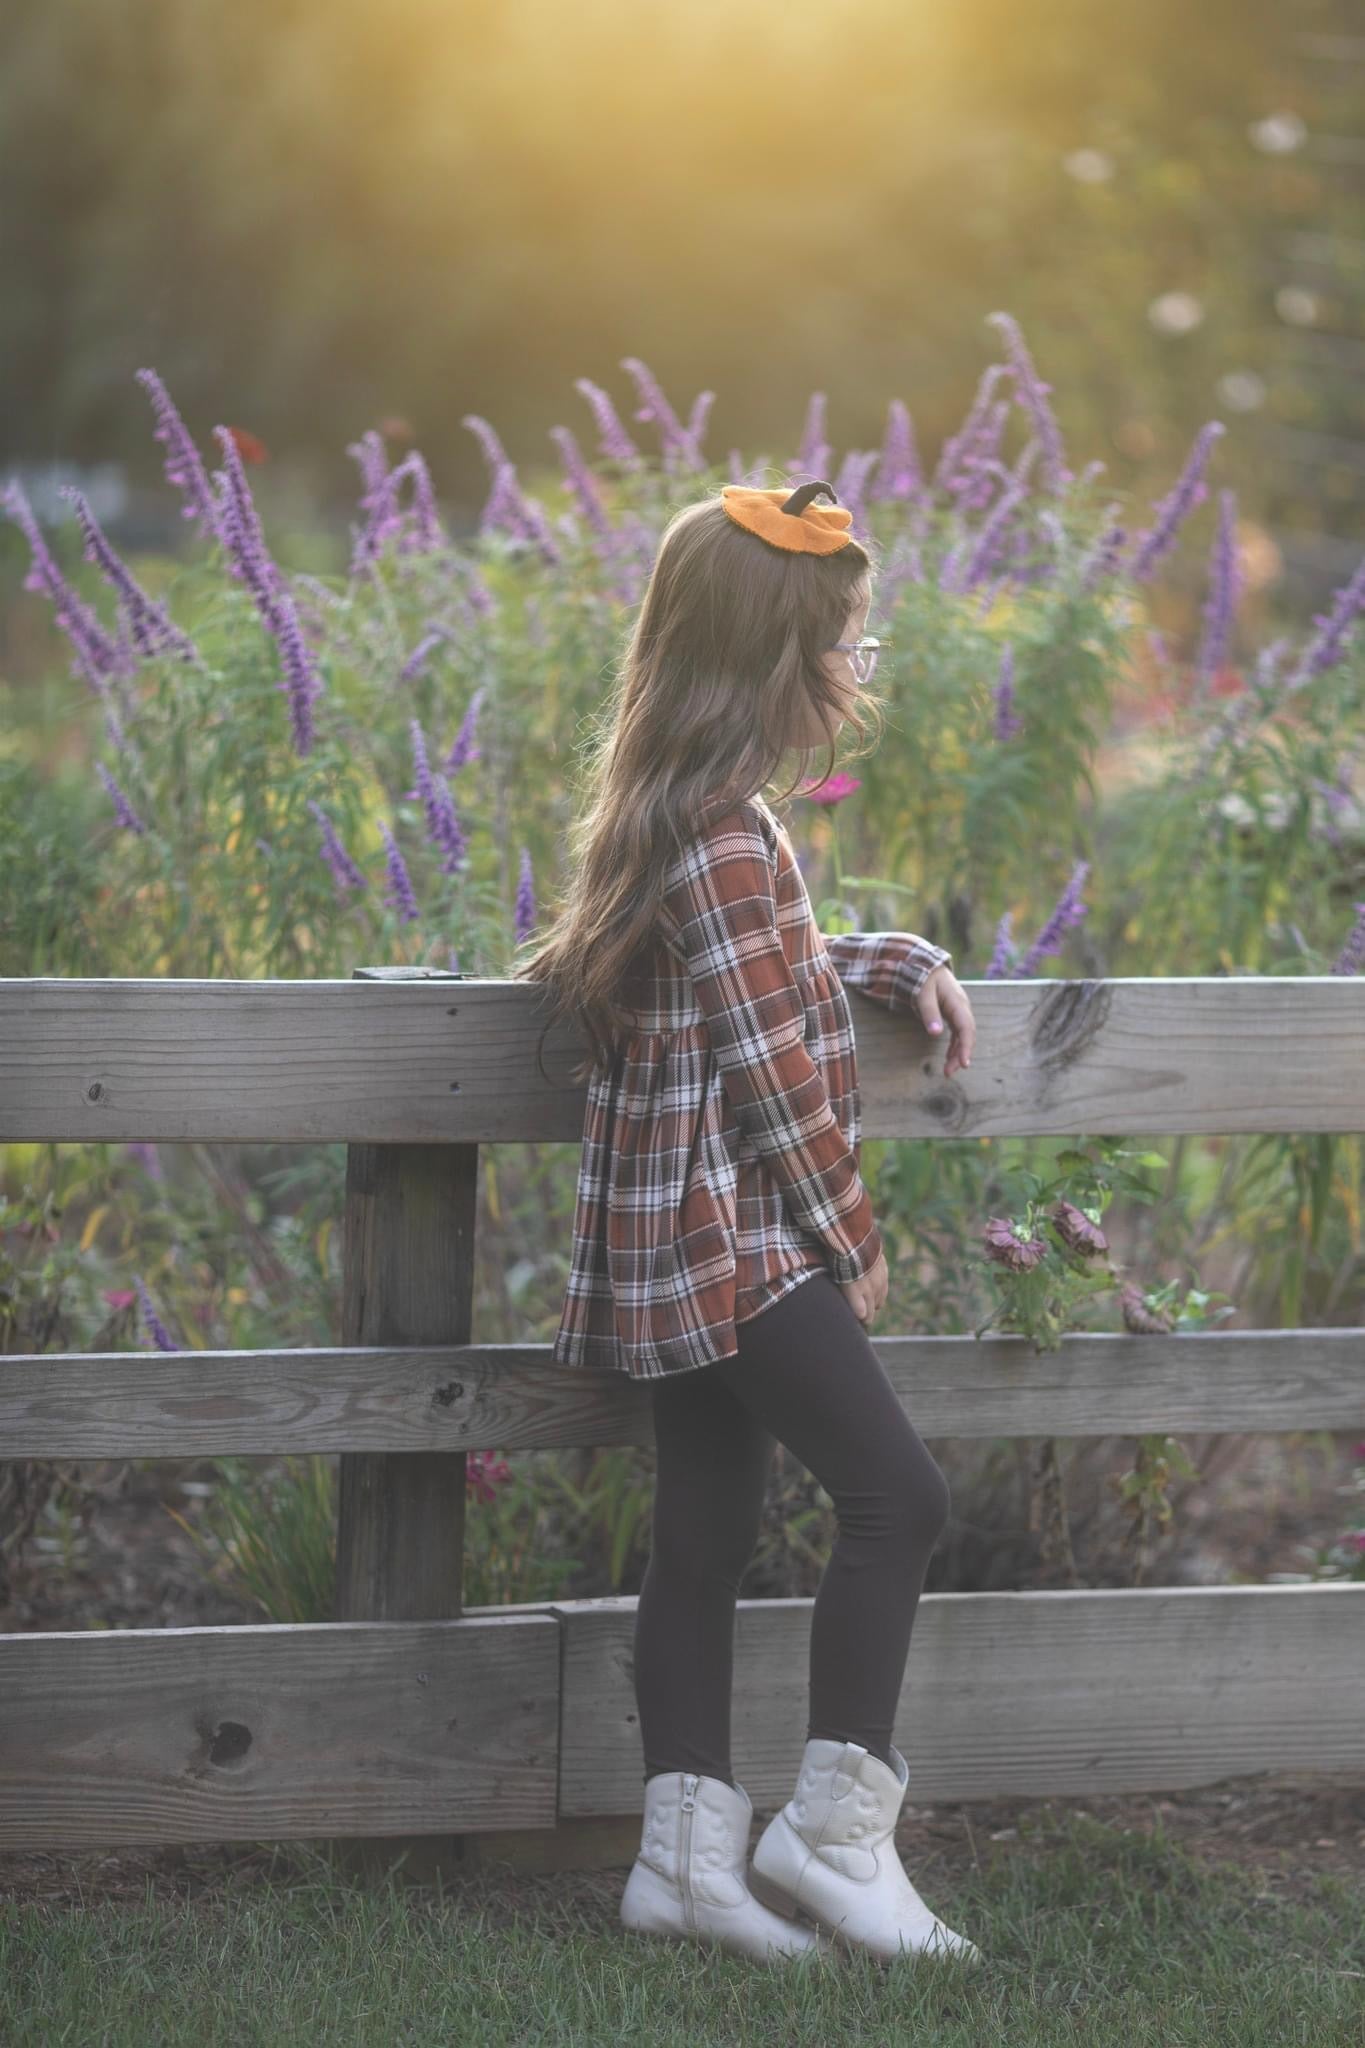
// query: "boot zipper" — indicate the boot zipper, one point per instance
point(689, 1801)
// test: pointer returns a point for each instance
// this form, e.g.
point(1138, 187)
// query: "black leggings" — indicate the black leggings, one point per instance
point(807, 1373)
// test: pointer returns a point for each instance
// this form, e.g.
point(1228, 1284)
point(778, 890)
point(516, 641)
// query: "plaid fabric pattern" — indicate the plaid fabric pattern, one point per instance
point(720, 1159)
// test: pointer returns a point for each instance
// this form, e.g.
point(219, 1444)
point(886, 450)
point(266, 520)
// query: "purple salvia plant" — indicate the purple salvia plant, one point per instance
point(443, 824)
point(399, 895)
point(1033, 394)
point(153, 631)
point(1101, 559)
point(582, 483)
point(1338, 797)
point(1221, 606)
point(1351, 958)
point(126, 814)
point(182, 465)
point(301, 682)
point(677, 443)
point(614, 442)
point(414, 666)
point(463, 748)
point(448, 832)
point(815, 454)
point(99, 657)
point(345, 873)
point(526, 902)
point(1328, 644)
point(1189, 490)
point(373, 460)
point(1001, 961)
point(423, 533)
point(486, 435)
point(239, 527)
point(986, 548)
point(699, 417)
point(956, 457)
point(1067, 911)
point(899, 474)
point(1007, 720)
point(850, 484)
point(147, 1157)
point(156, 1329)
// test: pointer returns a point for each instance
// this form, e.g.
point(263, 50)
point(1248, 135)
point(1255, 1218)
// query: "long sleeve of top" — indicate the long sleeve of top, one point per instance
point(719, 910)
point(891, 967)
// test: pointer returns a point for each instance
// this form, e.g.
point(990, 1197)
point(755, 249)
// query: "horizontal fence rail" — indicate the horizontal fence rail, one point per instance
point(513, 1397)
point(433, 1059)
point(511, 1721)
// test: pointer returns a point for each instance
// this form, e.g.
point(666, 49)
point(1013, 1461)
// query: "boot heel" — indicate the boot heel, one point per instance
point(773, 1897)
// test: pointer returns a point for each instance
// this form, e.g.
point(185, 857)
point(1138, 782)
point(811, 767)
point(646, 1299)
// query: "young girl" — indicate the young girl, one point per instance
point(724, 1246)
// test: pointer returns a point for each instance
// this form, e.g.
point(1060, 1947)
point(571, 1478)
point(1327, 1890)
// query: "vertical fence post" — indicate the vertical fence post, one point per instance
point(408, 1278)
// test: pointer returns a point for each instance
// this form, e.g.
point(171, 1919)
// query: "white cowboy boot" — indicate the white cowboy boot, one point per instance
point(688, 1882)
point(831, 1853)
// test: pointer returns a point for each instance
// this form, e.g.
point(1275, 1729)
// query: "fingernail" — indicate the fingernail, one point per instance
point(936, 1027)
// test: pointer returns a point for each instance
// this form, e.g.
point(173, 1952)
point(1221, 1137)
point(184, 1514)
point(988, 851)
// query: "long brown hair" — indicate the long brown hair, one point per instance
point(722, 667)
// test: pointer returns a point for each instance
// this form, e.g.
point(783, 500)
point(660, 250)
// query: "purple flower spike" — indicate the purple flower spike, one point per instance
point(613, 440)
point(1351, 958)
point(156, 1329)
point(1068, 910)
point(899, 474)
point(1221, 607)
point(1190, 489)
point(1007, 722)
point(152, 628)
point(698, 417)
point(97, 655)
point(816, 453)
point(126, 814)
point(1002, 958)
point(582, 483)
point(677, 441)
point(399, 895)
point(1102, 559)
point(183, 466)
point(239, 527)
point(1033, 394)
point(526, 902)
point(1328, 644)
point(463, 748)
point(345, 873)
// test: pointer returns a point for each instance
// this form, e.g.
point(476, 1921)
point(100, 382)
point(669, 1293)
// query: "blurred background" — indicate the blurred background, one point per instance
point(312, 219)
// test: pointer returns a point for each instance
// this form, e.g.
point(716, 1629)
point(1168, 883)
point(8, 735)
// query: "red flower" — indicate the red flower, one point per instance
point(248, 446)
point(117, 1297)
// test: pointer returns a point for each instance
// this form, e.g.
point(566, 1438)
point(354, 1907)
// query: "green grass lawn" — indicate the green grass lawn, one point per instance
point(1091, 1935)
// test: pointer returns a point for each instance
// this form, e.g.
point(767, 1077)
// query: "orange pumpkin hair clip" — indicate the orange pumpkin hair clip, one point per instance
point(788, 519)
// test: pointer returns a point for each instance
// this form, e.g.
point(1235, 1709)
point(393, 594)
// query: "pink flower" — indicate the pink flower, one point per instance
point(1012, 1244)
point(1077, 1230)
point(832, 790)
point(118, 1297)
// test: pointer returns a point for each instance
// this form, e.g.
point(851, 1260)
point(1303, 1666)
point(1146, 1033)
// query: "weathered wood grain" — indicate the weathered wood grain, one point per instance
point(446, 1061)
point(1031, 1692)
point(278, 1732)
point(512, 1397)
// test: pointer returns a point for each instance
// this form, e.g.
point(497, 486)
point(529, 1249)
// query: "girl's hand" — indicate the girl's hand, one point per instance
point(866, 1296)
point(942, 998)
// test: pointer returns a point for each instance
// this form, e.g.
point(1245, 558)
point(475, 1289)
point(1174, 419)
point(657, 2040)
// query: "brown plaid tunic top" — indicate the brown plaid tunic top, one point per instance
point(721, 1150)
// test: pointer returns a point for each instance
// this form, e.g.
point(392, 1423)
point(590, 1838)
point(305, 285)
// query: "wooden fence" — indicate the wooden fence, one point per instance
point(411, 1716)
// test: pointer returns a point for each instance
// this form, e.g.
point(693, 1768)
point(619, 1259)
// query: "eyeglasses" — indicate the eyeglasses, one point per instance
point(864, 653)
